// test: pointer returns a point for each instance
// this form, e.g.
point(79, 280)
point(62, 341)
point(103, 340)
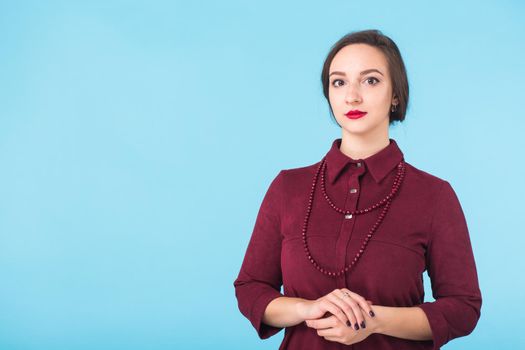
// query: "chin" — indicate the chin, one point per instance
point(355, 126)
point(360, 131)
point(359, 126)
point(357, 131)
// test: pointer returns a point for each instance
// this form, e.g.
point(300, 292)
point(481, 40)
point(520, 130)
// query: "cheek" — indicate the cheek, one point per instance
point(335, 96)
point(332, 100)
point(381, 100)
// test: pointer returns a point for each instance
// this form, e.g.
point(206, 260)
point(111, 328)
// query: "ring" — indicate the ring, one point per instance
point(345, 294)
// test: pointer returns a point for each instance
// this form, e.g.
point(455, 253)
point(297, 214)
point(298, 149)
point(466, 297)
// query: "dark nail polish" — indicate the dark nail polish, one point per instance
point(356, 327)
point(363, 324)
point(372, 314)
point(348, 324)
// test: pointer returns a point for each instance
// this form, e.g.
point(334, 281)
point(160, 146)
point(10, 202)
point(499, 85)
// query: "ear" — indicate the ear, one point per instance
point(395, 100)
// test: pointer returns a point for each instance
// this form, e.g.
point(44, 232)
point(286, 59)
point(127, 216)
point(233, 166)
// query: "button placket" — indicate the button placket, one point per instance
point(348, 224)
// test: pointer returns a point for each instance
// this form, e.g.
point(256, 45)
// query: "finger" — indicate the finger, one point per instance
point(329, 332)
point(351, 306)
point(371, 313)
point(328, 305)
point(362, 302)
point(344, 306)
point(322, 323)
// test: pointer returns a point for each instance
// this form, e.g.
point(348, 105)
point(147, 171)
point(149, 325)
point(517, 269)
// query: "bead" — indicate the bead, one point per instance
point(321, 169)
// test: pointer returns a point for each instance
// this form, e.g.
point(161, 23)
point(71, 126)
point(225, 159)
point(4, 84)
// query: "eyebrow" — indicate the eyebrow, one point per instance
point(366, 71)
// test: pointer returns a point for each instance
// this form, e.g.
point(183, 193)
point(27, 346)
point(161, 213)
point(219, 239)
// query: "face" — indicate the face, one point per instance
point(359, 79)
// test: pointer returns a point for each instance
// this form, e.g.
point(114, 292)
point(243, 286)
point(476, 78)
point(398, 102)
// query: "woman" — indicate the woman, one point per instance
point(350, 236)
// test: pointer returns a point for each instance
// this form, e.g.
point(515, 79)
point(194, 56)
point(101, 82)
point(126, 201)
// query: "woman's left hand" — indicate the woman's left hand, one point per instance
point(332, 329)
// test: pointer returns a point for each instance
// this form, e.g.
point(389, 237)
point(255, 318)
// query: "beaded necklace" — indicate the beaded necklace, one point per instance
point(385, 203)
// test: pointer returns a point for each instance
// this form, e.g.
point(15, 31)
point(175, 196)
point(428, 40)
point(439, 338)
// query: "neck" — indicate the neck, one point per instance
point(358, 146)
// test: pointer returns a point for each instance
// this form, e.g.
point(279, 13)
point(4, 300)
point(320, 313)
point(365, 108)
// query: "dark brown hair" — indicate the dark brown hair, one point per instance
point(396, 67)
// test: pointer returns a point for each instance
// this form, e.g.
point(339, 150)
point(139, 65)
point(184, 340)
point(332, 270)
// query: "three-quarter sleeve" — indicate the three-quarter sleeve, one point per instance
point(452, 271)
point(260, 278)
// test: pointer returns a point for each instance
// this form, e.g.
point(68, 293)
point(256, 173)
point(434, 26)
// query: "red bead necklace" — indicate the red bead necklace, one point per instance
point(385, 202)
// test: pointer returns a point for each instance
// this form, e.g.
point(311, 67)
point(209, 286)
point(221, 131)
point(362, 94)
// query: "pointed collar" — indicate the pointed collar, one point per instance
point(379, 164)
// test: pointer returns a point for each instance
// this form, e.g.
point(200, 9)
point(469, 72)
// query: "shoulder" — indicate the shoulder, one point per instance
point(295, 180)
point(423, 176)
point(300, 173)
point(428, 183)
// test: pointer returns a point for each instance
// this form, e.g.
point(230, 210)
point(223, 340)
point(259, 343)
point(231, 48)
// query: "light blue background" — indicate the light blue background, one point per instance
point(137, 140)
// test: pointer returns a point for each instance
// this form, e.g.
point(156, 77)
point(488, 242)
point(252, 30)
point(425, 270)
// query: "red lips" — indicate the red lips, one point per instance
point(355, 114)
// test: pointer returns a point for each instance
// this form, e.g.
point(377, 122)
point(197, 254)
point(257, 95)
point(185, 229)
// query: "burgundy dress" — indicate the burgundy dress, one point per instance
point(424, 230)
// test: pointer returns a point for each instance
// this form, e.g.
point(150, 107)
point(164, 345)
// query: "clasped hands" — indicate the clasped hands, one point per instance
point(341, 316)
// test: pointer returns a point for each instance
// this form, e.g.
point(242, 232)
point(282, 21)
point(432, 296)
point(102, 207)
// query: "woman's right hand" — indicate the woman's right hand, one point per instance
point(342, 303)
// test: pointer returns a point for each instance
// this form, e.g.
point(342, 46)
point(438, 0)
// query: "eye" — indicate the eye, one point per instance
point(372, 78)
point(334, 83)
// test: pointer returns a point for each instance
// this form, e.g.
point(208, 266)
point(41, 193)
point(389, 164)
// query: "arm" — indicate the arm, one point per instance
point(452, 271)
point(402, 322)
point(455, 287)
point(260, 279)
point(284, 312)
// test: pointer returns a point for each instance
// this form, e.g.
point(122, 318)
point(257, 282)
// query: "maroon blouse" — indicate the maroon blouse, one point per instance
point(424, 230)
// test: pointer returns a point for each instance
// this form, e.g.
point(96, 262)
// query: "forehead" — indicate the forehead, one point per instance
point(356, 57)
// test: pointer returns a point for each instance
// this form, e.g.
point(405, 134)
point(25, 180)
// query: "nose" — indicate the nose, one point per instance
point(352, 94)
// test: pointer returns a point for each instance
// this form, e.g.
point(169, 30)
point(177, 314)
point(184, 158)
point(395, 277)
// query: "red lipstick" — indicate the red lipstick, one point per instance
point(355, 114)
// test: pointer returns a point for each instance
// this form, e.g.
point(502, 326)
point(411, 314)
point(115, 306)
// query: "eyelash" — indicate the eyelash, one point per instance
point(377, 81)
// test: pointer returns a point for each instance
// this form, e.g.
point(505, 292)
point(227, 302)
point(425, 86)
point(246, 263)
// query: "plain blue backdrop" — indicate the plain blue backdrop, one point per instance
point(137, 139)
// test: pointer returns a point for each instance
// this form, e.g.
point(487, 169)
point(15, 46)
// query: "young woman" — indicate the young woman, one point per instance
point(350, 236)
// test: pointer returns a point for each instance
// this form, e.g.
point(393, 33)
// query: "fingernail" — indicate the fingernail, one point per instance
point(372, 314)
point(348, 324)
point(356, 327)
point(363, 324)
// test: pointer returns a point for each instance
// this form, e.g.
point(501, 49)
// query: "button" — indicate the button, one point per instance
point(353, 190)
point(348, 216)
point(358, 164)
